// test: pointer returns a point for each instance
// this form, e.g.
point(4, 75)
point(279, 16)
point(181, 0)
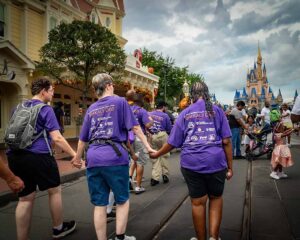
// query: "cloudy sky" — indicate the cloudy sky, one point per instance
point(219, 39)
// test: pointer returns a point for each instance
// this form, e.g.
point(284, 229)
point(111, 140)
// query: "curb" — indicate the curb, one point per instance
point(8, 196)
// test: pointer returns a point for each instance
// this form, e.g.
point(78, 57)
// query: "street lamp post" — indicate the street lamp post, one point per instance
point(186, 88)
point(165, 83)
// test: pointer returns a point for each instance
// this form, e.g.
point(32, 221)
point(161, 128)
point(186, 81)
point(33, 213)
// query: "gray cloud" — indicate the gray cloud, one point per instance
point(197, 34)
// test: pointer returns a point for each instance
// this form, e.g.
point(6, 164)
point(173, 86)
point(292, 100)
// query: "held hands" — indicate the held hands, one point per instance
point(153, 154)
point(15, 184)
point(76, 162)
point(229, 174)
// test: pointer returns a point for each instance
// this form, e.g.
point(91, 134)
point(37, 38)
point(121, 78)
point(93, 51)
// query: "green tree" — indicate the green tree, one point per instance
point(78, 51)
point(171, 76)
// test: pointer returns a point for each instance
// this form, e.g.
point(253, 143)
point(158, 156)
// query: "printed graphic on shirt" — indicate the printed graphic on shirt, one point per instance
point(200, 129)
point(101, 122)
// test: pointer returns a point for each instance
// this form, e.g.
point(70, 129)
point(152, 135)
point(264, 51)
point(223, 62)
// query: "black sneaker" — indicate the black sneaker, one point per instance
point(165, 178)
point(110, 216)
point(154, 182)
point(66, 229)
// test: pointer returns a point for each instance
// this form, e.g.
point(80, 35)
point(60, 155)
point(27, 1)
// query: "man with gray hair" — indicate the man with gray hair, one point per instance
point(105, 127)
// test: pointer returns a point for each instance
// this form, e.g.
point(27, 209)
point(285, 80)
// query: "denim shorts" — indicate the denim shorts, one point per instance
point(103, 179)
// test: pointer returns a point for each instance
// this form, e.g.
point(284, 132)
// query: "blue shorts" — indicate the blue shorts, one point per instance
point(103, 179)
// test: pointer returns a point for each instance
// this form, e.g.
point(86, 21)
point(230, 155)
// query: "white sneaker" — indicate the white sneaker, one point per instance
point(193, 238)
point(139, 190)
point(282, 175)
point(211, 238)
point(127, 238)
point(274, 175)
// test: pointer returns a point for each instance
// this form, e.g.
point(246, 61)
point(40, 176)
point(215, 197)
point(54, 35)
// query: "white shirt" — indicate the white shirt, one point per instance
point(266, 113)
point(296, 107)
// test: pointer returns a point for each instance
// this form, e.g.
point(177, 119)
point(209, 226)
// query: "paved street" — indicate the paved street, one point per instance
point(255, 206)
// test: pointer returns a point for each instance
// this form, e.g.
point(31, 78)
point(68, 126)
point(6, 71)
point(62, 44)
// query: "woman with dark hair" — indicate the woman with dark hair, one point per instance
point(203, 133)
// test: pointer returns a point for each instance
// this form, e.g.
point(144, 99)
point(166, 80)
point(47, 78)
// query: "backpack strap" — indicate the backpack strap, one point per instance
point(43, 132)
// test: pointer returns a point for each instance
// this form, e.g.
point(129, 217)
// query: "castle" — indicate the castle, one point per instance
point(258, 89)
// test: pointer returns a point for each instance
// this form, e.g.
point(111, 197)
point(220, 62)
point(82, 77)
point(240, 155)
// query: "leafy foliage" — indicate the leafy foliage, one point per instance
point(77, 51)
point(171, 76)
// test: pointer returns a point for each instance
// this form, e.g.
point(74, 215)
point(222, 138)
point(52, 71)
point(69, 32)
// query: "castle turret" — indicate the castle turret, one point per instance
point(279, 99)
point(259, 62)
point(296, 95)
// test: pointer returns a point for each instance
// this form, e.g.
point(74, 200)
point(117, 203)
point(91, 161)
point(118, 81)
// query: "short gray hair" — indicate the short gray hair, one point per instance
point(100, 81)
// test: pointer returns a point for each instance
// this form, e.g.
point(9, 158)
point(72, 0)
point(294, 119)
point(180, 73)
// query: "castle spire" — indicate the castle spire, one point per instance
point(259, 58)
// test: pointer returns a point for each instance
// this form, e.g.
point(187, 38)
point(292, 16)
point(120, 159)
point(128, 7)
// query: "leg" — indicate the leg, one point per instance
point(238, 143)
point(156, 168)
point(215, 215)
point(55, 205)
point(23, 216)
point(164, 164)
point(133, 167)
point(122, 217)
point(139, 175)
point(199, 216)
point(234, 140)
point(100, 222)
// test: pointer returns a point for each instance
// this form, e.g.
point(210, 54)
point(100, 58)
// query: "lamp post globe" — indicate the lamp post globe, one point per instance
point(186, 88)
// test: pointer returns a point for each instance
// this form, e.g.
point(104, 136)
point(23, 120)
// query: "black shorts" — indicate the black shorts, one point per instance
point(35, 170)
point(201, 184)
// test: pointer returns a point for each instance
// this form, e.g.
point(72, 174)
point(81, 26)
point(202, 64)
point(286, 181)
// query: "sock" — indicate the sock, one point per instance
point(121, 236)
point(59, 227)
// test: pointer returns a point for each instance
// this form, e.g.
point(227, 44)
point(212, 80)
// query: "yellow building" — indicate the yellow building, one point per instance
point(24, 27)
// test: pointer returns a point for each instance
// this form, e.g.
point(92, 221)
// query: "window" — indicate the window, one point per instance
point(107, 22)
point(53, 23)
point(67, 110)
point(2, 20)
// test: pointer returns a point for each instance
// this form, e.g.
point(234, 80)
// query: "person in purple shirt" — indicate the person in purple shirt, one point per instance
point(145, 121)
point(105, 127)
point(203, 133)
point(160, 129)
point(36, 165)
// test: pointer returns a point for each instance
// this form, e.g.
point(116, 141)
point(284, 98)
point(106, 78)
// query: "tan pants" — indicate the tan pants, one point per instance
point(159, 165)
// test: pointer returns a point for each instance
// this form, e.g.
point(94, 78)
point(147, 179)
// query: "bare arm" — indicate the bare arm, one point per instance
point(14, 182)
point(164, 149)
point(227, 145)
point(60, 141)
point(241, 122)
point(138, 131)
point(287, 132)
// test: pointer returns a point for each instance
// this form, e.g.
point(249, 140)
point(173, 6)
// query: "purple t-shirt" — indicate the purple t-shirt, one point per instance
point(108, 118)
point(46, 120)
point(161, 122)
point(141, 115)
point(201, 138)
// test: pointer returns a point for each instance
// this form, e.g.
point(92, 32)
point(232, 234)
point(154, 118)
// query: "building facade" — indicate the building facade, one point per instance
point(24, 27)
point(257, 90)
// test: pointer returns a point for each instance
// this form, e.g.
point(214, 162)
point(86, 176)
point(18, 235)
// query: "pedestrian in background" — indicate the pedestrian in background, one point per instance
point(203, 133)
point(286, 120)
point(59, 114)
point(105, 127)
point(236, 122)
point(281, 156)
point(159, 134)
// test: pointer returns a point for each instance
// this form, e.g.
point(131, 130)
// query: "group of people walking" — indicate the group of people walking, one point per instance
point(279, 119)
point(117, 131)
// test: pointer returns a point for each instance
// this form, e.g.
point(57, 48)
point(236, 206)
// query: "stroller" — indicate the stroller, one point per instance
point(259, 145)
